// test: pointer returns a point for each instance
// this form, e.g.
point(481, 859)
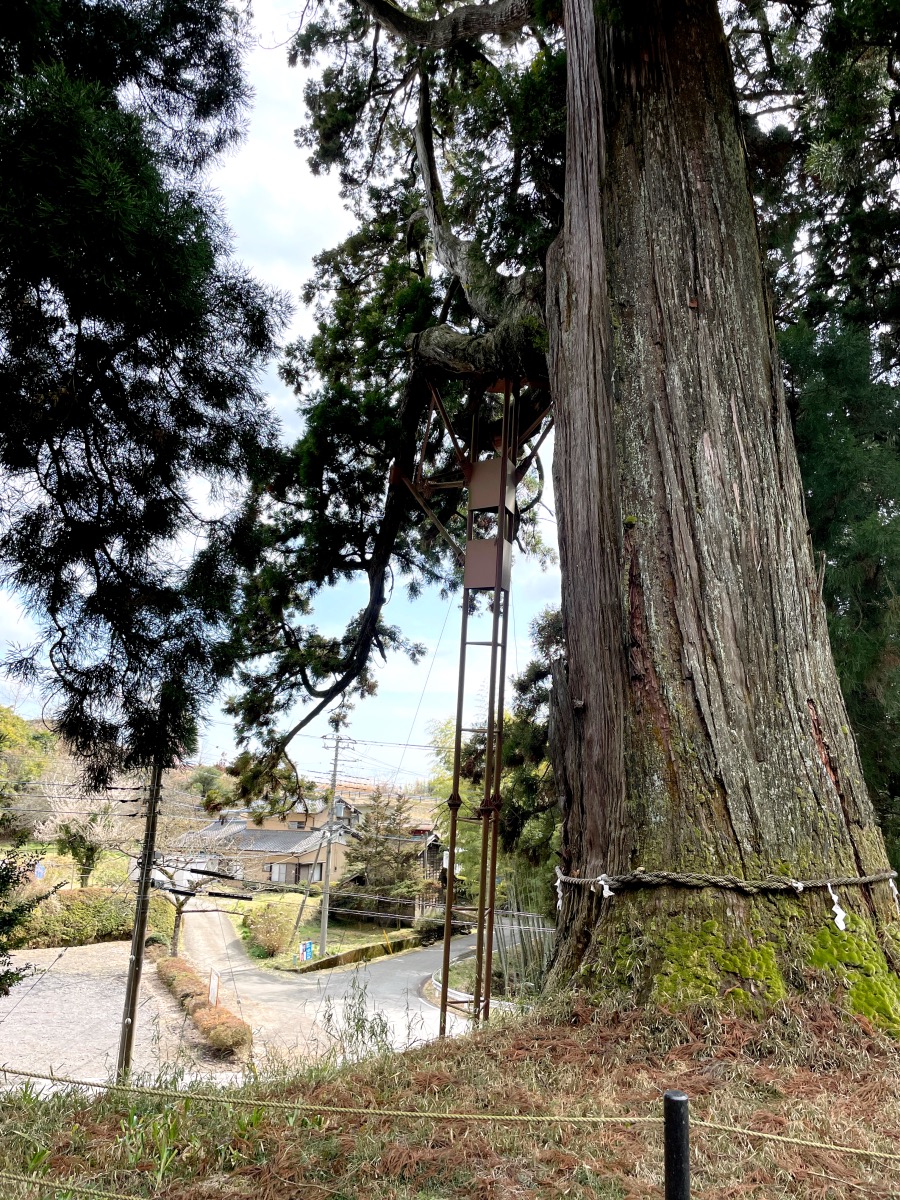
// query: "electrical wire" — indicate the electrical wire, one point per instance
point(421, 697)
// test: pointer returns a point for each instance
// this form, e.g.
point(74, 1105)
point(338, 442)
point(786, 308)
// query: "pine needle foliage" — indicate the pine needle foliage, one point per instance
point(130, 351)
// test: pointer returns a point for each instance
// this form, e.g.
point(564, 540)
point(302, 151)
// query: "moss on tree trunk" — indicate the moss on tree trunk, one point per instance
point(700, 724)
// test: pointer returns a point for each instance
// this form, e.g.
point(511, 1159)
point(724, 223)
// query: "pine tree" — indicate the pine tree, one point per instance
point(130, 350)
point(380, 853)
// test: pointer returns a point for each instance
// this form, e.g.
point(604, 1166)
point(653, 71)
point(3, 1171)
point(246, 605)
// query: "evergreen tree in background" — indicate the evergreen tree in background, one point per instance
point(130, 352)
point(24, 753)
point(380, 854)
point(821, 122)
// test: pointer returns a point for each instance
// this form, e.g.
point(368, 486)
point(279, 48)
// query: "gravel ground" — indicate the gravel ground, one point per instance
point(66, 1016)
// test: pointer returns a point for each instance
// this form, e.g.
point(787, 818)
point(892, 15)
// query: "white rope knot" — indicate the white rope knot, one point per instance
point(559, 889)
point(896, 894)
point(797, 885)
point(603, 882)
point(840, 916)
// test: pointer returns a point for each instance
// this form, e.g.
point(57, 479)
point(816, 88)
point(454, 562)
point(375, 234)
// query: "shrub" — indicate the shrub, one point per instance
point(270, 927)
point(182, 980)
point(82, 916)
point(221, 1028)
point(430, 928)
point(392, 906)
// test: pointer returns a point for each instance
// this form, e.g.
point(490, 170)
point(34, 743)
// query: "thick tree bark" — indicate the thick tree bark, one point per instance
point(700, 725)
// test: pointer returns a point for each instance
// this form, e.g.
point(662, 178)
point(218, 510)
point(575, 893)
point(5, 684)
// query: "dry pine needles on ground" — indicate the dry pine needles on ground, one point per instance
point(807, 1075)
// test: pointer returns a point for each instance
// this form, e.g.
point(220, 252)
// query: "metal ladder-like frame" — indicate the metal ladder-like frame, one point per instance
point(486, 563)
point(483, 575)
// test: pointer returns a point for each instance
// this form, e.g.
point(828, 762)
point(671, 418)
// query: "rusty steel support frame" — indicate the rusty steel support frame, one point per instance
point(490, 808)
point(454, 803)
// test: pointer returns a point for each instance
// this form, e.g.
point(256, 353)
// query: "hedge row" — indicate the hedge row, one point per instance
point(221, 1028)
point(82, 916)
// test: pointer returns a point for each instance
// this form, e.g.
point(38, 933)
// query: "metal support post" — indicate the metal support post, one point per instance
point(677, 1146)
point(326, 879)
point(139, 936)
point(494, 743)
point(495, 818)
point(453, 803)
point(486, 570)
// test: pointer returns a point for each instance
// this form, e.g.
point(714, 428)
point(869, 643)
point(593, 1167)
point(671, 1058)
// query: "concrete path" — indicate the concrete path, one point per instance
point(67, 1015)
point(295, 1015)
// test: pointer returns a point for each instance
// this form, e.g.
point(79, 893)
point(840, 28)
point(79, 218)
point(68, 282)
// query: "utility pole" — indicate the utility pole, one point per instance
point(142, 909)
point(326, 882)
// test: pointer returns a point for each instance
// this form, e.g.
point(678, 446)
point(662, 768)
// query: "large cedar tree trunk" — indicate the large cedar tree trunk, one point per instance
point(700, 725)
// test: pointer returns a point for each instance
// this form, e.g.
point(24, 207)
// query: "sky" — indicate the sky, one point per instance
point(281, 216)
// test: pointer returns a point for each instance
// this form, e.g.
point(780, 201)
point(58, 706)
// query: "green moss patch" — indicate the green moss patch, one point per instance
point(856, 958)
point(701, 963)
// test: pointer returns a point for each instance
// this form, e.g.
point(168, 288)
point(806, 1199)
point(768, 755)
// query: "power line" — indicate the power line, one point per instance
point(422, 696)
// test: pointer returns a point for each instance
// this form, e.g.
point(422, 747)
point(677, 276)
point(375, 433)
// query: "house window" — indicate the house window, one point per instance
point(300, 824)
point(279, 872)
point(318, 872)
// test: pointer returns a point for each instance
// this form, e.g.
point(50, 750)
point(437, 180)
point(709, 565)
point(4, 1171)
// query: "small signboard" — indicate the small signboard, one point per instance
point(213, 989)
point(40, 871)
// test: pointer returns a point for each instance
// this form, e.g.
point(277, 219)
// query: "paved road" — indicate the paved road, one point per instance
point(292, 1014)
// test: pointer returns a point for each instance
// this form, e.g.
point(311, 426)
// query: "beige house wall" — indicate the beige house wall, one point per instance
point(301, 821)
point(255, 863)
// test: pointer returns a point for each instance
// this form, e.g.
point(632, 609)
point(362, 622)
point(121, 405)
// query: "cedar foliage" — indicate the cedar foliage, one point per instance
point(818, 89)
point(130, 349)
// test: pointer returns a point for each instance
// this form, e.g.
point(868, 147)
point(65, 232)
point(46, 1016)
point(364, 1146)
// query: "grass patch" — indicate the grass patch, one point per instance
point(266, 924)
point(813, 1074)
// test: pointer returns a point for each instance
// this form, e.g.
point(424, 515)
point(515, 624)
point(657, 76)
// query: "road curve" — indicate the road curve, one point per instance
point(291, 1014)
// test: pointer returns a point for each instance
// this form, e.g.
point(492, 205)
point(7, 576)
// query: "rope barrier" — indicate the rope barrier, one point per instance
point(431, 1114)
point(792, 1141)
point(608, 884)
point(331, 1109)
point(64, 1185)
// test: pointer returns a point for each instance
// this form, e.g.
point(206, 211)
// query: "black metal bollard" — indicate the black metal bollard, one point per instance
point(677, 1146)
